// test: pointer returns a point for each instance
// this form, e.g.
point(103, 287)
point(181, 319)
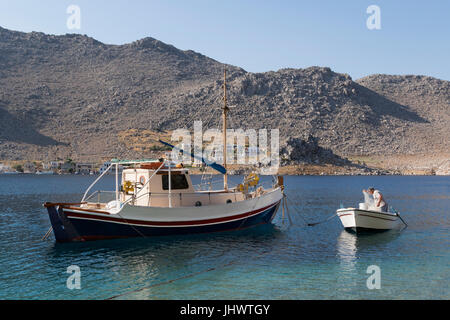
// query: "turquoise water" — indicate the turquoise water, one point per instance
point(268, 262)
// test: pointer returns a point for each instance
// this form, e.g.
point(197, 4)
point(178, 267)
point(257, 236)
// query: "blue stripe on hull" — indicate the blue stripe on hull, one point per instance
point(70, 229)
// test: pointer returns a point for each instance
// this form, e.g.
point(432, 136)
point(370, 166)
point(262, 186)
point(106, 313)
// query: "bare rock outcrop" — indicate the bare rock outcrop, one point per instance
point(73, 96)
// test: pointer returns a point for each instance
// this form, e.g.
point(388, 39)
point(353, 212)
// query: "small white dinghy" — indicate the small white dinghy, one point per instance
point(358, 220)
point(368, 219)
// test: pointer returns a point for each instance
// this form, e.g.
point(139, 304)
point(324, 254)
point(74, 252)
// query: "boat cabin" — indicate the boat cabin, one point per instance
point(168, 187)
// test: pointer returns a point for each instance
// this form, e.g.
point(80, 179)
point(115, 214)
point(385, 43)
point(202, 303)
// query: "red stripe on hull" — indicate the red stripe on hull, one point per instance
point(366, 215)
point(71, 214)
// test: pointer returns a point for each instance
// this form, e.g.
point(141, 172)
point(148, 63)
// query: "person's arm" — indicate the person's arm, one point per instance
point(380, 199)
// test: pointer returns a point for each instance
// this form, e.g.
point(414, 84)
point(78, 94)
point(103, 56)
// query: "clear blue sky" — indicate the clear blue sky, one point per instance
point(264, 35)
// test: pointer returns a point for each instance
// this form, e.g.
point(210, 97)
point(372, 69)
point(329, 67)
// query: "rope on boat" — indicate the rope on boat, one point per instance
point(398, 215)
point(294, 204)
point(308, 223)
point(129, 224)
point(285, 207)
point(327, 219)
point(47, 234)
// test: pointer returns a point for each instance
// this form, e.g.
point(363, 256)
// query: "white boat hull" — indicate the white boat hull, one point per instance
point(358, 220)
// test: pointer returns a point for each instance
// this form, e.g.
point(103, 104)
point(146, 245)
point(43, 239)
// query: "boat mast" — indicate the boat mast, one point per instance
point(224, 133)
point(117, 185)
point(170, 187)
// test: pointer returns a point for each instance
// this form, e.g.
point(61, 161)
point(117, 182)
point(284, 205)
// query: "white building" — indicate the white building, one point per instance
point(105, 166)
point(4, 168)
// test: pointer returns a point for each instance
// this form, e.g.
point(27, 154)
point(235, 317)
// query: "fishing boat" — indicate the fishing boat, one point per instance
point(364, 219)
point(157, 197)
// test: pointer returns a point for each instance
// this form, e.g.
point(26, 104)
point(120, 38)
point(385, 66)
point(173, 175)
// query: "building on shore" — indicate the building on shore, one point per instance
point(5, 168)
point(105, 167)
point(67, 167)
point(29, 167)
point(84, 168)
point(51, 165)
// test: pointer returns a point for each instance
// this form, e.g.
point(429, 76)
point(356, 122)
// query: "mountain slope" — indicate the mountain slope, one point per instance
point(428, 97)
point(72, 96)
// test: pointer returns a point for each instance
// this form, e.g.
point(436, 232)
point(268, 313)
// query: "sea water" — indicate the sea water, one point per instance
point(277, 261)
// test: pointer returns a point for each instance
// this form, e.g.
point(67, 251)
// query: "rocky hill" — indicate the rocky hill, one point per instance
point(428, 98)
point(72, 96)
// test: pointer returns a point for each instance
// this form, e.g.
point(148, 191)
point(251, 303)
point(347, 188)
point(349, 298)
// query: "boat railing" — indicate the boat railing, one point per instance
point(189, 199)
point(96, 180)
point(213, 183)
point(208, 184)
point(186, 199)
point(178, 199)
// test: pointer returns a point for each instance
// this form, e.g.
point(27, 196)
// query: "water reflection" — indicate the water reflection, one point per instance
point(154, 260)
point(350, 245)
point(351, 251)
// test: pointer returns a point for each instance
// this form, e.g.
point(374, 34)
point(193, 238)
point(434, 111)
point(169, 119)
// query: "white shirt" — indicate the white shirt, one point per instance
point(376, 197)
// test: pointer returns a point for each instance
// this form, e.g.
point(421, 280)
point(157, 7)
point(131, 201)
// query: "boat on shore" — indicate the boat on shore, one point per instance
point(156, 198)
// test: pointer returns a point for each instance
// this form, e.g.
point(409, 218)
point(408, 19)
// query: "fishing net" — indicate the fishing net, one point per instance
point(368, 201)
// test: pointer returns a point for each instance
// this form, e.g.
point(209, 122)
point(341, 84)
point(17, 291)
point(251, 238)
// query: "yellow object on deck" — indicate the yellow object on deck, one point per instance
point(252, 179)
point(128, 187)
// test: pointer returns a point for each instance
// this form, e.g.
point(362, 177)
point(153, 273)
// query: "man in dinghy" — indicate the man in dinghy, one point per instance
point(379, 202)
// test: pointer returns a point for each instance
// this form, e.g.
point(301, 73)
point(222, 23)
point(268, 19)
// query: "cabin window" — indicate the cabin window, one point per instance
point(178, 181)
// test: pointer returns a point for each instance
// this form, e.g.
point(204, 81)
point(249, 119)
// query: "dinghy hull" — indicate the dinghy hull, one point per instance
point(359, 221)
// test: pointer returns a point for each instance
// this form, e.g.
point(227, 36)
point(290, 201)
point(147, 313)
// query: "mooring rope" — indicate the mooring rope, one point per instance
point(327, 219)
point(129, 224)
point(295, 204)
point(398, 215)
point(47, 234)
point(285, 205)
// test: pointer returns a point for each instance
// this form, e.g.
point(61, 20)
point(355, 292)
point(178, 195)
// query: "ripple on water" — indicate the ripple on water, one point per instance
point(270, 262)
